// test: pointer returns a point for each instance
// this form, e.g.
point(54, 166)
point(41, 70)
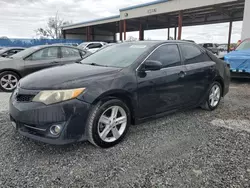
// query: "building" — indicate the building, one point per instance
point(163, 14)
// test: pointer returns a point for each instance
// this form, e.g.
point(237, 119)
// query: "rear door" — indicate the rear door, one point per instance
point(44, 58)
point(70, 55)
point(161, 90)
point(199, 72)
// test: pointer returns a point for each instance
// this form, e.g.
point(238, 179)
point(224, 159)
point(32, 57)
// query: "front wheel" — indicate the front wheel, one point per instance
point(8, 81)
point(214, 97)
point(108, 123)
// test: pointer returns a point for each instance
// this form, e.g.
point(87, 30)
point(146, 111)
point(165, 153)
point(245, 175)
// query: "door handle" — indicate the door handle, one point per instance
point(182, 74)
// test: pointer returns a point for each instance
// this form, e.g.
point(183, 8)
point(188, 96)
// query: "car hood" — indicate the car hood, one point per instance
point(66, 77)
point(239, 60)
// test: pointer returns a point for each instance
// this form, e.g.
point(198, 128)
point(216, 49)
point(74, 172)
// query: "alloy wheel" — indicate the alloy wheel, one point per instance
point(9, 82)
point(112, 124)
point(214, 97)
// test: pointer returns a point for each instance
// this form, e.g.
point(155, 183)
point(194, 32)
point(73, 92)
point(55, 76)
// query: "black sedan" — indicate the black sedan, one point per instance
point(126, 83)
point(34, 59)
point(9, 51)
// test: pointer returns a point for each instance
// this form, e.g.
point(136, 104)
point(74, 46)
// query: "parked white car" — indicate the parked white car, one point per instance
point(92, 46)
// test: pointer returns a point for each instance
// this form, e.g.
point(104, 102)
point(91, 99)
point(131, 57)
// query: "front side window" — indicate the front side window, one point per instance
point(44, 54)
point(70, 52)
point(193, 54)
point(168, 55)
point(245, 45)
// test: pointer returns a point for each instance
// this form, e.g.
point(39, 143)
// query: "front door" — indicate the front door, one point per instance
point(161, 90)
point(41, 59)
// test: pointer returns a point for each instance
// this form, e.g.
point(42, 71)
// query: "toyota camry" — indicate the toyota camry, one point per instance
point(128, 83)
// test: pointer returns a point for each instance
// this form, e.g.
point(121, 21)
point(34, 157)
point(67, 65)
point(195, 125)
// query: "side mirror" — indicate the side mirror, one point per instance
point(152, 65)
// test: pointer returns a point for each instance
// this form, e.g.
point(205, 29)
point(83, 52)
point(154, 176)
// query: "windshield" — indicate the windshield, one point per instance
point(245, 45)
point(25, 53)
point(120, 55)
point(83, 45)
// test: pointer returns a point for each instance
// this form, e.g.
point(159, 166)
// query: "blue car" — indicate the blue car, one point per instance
point(239, 60)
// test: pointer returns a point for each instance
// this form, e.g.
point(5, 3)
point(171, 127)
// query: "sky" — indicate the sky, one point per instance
point(20, 18)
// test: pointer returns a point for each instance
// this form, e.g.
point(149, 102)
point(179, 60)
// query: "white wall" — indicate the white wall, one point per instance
point(246, 21)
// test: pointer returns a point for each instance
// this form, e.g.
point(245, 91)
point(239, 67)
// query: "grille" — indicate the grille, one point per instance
point(25, 98)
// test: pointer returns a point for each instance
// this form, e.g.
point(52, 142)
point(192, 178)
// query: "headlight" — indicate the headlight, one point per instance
point(55, 96)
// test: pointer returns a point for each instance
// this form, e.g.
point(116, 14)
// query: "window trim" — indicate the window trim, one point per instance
point(61, 54)
point(202, 49)
point(177, 44)
point(58, 53)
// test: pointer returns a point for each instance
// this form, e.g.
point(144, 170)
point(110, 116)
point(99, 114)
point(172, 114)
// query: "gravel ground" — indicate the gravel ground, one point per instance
point(195, 148)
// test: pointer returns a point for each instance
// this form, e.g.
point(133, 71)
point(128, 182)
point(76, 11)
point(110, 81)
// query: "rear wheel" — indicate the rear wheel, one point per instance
point(108, 123)
point(214, 97)
point(8, 81)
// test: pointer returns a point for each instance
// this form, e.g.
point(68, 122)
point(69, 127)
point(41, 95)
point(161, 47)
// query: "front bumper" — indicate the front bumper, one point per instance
point(33, 120)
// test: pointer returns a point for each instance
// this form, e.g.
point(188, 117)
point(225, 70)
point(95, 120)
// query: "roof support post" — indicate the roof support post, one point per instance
point(180, 19)
point(88, 33)
point(120, 30)
point(168, 28)
point(175, 33)
point(141, 32)
point(229, 35)
point(64, 34)
point(168, 33)
point(124, 28)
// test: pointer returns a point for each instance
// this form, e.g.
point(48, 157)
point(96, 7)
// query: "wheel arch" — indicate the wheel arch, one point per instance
point(220, 80)
point(11, 70)
point(122, 95)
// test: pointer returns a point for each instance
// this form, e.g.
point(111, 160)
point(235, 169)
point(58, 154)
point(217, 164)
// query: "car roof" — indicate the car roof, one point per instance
point(56, 45)
point(9, 48)
point(92, 42)
point(158, 42)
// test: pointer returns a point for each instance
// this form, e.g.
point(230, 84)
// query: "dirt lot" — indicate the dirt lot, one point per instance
point(195, 148)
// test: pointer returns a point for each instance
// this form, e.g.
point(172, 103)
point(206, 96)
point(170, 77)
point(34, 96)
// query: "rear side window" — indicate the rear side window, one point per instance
point(192, 54)
point(70, 52)
point(94, 45)
point(208, 45)
point(45, 54)
point(168, 55)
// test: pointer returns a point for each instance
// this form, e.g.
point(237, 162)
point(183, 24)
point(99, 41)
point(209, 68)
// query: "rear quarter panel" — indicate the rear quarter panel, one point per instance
point(222, 72)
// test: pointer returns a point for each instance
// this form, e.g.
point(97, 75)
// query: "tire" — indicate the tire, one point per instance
point(95, 127)
point(208, 105)
point(8, 81)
